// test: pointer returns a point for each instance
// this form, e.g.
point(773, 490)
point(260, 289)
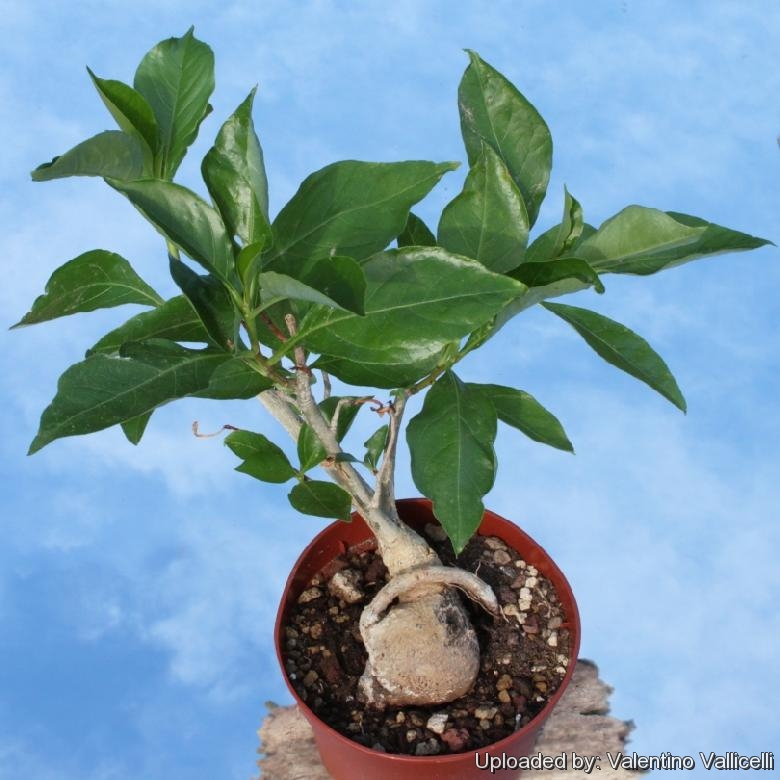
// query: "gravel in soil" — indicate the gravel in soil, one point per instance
point(524, 654)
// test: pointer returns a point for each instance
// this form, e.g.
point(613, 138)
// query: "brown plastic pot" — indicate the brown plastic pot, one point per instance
point(348, 760)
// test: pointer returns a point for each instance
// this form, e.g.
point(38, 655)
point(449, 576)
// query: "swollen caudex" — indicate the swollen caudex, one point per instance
point(422, 649)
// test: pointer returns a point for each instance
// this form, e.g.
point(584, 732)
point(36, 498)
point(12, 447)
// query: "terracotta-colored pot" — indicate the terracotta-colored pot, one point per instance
point(348, 760)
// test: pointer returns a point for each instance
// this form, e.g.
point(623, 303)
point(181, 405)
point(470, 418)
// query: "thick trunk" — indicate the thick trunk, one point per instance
point(420, 643)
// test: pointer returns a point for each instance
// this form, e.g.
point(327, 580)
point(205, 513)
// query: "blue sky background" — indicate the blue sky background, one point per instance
point(138, 586)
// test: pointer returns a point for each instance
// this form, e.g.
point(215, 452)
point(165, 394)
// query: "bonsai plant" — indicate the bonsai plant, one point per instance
point(347, 282)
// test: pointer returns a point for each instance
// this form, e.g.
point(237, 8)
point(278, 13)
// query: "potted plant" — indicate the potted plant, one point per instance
point(346, 282)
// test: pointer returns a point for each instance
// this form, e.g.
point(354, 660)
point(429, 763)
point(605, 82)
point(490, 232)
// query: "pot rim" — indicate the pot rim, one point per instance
point(573, 622)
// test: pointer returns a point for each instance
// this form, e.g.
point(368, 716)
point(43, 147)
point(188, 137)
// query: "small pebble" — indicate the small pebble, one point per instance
point(485, 712)
point(455, 739)
point(309, 595)
point(504, 697)
point(501, 557)
point(553, 640)
point(554, 623)
point(531, 582)
point(494, 543)
point(428, 748)
point(411, 735)
point(400, 717)
point(504, 682)
point(345, 585)
point(437, 722)
point(310, 678)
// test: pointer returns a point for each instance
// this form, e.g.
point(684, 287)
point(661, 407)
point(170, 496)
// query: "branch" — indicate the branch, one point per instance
point(282, 409)
point(343, 472)
point(384, 496)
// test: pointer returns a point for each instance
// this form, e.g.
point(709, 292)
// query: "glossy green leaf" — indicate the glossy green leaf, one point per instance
point(522, 411)
point(549, 273)
point(342, 279)
point(494, 112)
point(237, 378)
point(94, 280)
point(336, 282)
point(310, 449)
point(375, 447)
point(248, 261)
point(322, 499)
point(210, 300)
point(111, 154)
point(134, 429)
point(349, 208)
point(415, 233)
point(383, 372)
point(262, 458)
point(185, 219)
point(622, 348)
point(234, 172)
point(417, 300)
point(453, 462)
point(102, 391)
point(176, 78)
point(563, 238)
point(129, 108)
point(174, 320)
point(643, 241)
point(487, 220)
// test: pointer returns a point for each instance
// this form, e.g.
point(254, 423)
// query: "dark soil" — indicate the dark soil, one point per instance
point(524, 654)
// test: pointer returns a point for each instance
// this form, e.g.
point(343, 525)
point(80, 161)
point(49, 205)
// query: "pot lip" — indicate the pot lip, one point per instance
point(494, 747)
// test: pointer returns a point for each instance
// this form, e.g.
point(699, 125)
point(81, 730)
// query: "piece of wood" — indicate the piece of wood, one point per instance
point(579, 724)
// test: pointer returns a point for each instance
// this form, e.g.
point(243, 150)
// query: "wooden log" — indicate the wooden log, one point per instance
point(579, 724)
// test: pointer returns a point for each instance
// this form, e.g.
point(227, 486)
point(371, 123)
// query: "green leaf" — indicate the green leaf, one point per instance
point(622, 348)
point(129, 108)
point(234, 172)
point(562, 239)
point(102, 391)
point(336, 282)
point(322, 499)
point(552, 271)
point(94, 280)
point(349, 208)
point(417, 300)
point(238, 378)
point(488, 220)
point(185, 219)
point(310, 449)
point(453, 463)
point(262, 458)
point(643, 241)
point(415, 233)
point(248, 261)
point(174, 320)
point(110, 154)
point(383, 372)
point(340, 278)
point(134, 429)
point(210, 300)
point(375, 447)
point(493, 111)
point(522, 411)
point(176, 78)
